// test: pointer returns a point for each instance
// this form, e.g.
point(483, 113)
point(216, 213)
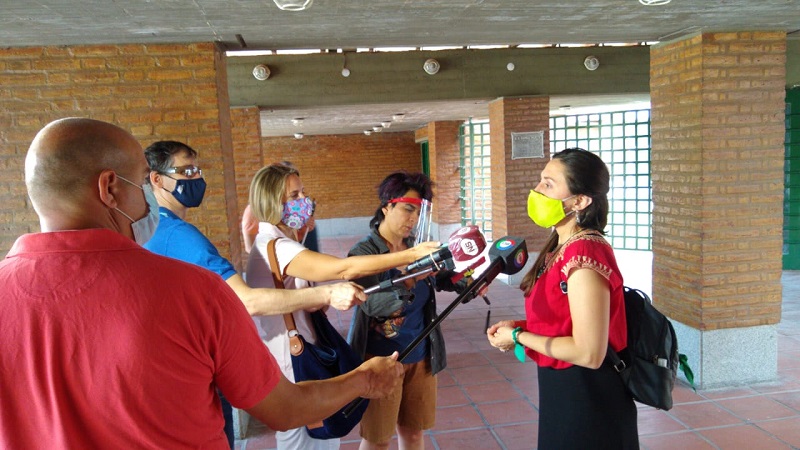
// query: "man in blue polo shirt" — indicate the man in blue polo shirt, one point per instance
point(178, 185)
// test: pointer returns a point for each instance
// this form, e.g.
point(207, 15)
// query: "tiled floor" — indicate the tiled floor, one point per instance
point(488, 400)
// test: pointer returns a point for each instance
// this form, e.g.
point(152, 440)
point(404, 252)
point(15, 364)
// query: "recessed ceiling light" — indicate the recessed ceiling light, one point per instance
point(293, 5)
point(261, 72)
point(431, 66)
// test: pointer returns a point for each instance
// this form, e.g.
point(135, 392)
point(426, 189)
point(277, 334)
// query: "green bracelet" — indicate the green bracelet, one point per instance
point(519, 349)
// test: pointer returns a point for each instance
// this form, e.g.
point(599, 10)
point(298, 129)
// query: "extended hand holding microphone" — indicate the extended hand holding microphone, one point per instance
point(462, 246)
point(507, 255)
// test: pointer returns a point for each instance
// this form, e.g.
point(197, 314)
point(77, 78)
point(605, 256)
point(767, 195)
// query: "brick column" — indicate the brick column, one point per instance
point(443, 155)
point(717, 171)
point(512, 179)
point(247, 156)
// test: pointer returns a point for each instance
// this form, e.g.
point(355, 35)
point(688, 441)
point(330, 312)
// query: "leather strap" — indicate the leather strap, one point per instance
point(295, 343)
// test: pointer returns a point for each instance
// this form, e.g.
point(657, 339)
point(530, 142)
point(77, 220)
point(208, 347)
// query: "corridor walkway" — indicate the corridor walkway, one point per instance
point(488, 400)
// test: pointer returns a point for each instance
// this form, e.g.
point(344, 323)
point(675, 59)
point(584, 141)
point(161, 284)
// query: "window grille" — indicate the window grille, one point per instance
point(476, 176)
point(622, 140)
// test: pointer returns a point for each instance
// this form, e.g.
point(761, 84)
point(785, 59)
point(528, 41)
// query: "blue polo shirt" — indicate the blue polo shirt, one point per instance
point(178, 239)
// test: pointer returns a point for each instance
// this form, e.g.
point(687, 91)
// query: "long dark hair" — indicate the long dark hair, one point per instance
point(586, 174)
point(395, 186)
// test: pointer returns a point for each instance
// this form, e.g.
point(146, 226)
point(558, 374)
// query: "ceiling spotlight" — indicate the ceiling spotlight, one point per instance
point(591, 62)
point(345, 70)
point(431, 66)
point(367, 132)
point(386, 124)
point(398, 117)
point(377, 128)
point(297, 121)
point(510, 66)
point(299, 135)
point(293, 5)
point(261, 72)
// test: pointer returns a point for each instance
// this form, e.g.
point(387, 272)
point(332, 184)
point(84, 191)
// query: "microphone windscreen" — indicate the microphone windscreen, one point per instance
point(513, 253)
point(466, 243)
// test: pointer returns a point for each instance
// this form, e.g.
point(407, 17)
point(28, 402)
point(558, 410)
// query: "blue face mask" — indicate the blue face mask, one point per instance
point(189, 192)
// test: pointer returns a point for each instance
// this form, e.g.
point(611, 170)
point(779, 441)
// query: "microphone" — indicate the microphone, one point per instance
point(463, 245)
point(507, 255)
point(512, 252)
point(435, 259)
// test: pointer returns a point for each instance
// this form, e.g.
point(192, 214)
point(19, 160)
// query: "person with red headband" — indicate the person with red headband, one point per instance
point(279, 203)
point(391, 319)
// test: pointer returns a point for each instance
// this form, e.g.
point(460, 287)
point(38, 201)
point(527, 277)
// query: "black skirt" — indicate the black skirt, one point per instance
point(582, 408)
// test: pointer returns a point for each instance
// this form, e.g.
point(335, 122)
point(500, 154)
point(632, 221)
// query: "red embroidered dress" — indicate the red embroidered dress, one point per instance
point(547, 306)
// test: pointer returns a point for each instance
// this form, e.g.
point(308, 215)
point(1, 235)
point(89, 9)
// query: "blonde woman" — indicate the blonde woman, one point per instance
point(279, 203)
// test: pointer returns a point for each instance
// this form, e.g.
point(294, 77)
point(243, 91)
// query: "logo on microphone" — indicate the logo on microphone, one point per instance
point(469, 247)
point(521, 258)
point(505, 244)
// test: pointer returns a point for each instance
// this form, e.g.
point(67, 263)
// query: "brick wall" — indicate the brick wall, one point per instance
point(443, 152)
point(247, 154)
point(154, 91)
point(512, 180)
point(717, 171)
point(342, 172)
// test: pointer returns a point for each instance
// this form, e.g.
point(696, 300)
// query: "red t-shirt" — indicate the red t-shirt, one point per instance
point(104, 344)
point(547, 307)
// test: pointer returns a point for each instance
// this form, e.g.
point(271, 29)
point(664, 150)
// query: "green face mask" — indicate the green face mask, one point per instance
point(545, 211)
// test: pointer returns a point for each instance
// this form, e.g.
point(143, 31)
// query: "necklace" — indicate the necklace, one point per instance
point(571, 236)
point(551, 255)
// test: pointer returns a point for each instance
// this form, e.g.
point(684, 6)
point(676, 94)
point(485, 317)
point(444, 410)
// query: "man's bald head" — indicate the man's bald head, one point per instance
point(66, 158)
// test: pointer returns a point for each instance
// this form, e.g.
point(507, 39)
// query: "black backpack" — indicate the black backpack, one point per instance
point(649, 365)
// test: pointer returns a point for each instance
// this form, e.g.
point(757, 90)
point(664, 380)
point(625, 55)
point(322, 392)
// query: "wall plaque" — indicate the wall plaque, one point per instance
point(527, 145)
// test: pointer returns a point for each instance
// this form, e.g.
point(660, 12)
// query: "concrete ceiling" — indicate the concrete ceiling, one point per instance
point(352, 24)
point(354, 119)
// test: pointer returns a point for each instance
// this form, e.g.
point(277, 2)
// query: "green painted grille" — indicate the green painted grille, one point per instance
point(622, 140)
point(476, 176)
point(791, 188)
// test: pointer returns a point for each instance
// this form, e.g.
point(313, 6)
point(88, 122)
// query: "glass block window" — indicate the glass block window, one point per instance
point(622, 140)
point(476, 176)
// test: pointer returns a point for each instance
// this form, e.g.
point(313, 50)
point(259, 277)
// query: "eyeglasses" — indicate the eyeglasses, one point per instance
point(188, 171)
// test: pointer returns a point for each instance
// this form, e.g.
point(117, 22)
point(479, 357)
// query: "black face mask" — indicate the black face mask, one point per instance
point(190, 192)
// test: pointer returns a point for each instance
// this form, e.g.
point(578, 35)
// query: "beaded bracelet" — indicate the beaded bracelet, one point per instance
point(519, 349)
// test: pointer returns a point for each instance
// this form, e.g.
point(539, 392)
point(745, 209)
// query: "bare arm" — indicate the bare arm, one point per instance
point(268, 301)
point(249, 240)
point(589, 305)
point(313, 266)
point(294, 405)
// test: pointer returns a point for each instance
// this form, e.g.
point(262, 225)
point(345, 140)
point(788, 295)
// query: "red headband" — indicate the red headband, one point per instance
point(416, 201)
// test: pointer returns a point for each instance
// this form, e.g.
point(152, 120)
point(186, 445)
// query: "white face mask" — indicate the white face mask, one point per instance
point(144, 228)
